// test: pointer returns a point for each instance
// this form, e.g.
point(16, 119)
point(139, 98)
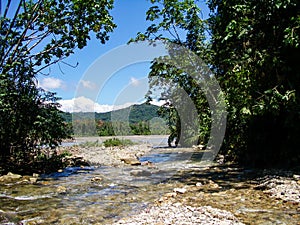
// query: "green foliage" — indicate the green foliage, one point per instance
point(140, 128)
point(105, 128)
point(254, 51)
point(117, 142)
point(141, 122)
point(178, 22)
point(33, 36)
point(256, 47)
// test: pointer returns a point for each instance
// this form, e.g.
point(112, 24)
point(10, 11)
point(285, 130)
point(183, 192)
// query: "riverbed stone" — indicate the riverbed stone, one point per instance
point(174, 213)
point(61, 190)
point(296, 177)
point(33, 180)
point(131, 161)
point(10, 177)
point(96, 179)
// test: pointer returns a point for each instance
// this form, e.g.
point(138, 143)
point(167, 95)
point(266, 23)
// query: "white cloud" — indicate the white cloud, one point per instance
point(158, 103)
point(49, 83)
point(83, 104)
point(134, 81)
point(88, 84)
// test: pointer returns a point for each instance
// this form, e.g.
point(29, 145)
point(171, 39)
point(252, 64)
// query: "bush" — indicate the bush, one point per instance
point(117, 142)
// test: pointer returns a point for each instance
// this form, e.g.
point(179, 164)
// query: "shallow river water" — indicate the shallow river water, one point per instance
point(103, 195)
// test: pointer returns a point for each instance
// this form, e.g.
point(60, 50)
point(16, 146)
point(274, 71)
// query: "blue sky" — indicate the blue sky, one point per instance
point(130, 18)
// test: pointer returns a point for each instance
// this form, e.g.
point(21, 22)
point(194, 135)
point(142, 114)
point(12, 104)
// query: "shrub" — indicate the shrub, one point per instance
point(117, 142)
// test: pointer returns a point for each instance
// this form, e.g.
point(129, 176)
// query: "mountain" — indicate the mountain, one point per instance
point(133, 114)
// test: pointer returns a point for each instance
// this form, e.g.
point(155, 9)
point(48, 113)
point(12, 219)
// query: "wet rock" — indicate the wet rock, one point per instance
point(131, 161)
point(140, 173)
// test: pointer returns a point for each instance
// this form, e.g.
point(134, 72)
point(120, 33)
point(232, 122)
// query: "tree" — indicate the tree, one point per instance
point(253, 50)
point(180, 23)
point(256, 48)
point(34, 36)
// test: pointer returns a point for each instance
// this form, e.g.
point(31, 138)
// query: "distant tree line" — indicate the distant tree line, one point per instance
point(143, 119)
point(90, 127)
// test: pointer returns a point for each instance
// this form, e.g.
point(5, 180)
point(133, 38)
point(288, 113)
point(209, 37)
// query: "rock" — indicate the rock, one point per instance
point(14, 176)
point(33, 180)
point(199, 147)
point(35, 175)
point(9, 177)
point(296, 177)
point(131, 161)
point(220, 159)
point(171, 195)
point(177, 213)
point(140, 173)
point(180, 190)
point(61, 190)
point(199, 184)
point(96, 179)
point(213, 185)
point(147, 163)
point(75, 161)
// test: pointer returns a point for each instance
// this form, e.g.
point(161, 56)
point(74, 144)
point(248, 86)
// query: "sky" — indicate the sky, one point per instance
point(99, 82)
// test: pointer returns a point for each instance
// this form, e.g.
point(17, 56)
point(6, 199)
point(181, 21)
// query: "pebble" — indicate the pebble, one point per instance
point(281, 188)
point(178, 214)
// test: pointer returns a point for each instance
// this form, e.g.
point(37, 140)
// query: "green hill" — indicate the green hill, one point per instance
point(133, 114)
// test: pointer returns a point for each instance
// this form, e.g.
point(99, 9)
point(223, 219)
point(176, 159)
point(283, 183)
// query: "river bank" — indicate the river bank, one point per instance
point(167, 186)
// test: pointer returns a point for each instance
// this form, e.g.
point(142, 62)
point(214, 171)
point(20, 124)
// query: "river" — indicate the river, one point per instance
point(103, 195)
